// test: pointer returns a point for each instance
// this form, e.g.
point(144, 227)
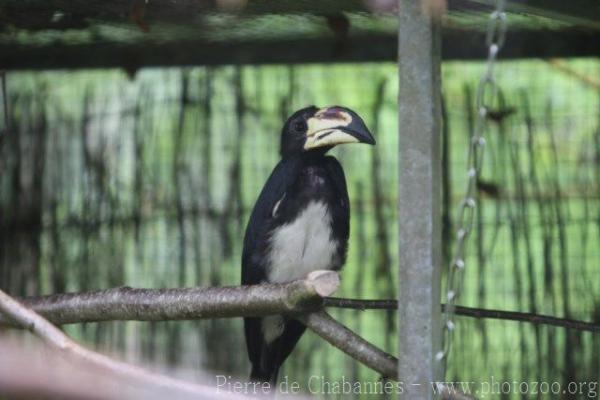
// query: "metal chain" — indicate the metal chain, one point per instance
point(486, 93)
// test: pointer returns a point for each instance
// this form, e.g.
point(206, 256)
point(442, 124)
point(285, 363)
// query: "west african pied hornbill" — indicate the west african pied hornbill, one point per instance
point(300, 223)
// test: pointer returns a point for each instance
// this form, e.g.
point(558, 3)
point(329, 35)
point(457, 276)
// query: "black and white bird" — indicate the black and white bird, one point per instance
point(300, 223)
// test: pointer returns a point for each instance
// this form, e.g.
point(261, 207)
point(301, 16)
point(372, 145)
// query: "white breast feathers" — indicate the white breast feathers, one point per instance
point(302, 246)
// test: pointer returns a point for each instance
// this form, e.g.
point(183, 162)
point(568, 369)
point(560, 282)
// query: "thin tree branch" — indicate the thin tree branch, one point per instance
point(536, 319)
point(350, 343)
point(30, 370)
point(124, 303)
point(356, 347)
point(471, 312)
point(57, 340)
point(562, 66)
point(359, 304)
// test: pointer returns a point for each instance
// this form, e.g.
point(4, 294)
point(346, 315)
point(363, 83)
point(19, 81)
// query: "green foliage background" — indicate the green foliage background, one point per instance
point(148, 181)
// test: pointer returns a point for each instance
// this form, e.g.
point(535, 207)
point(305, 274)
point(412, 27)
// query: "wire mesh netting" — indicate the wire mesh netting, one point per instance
point(148, 182)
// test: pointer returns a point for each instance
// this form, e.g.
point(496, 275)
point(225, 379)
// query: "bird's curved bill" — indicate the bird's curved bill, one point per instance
point(336, 125)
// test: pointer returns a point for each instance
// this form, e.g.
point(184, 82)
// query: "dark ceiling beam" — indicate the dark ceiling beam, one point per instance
point(457, 45)
point(39, 14)
point(543, 44)
point(67, 14)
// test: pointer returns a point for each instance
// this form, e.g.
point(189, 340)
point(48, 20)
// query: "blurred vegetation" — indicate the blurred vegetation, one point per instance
point(147, 181)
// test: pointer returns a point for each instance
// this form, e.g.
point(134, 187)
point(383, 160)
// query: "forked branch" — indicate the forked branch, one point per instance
point(126, 304)
point(297, 298)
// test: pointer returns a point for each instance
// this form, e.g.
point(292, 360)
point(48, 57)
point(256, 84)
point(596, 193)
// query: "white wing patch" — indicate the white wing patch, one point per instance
point(276, 208)
point(302, 246)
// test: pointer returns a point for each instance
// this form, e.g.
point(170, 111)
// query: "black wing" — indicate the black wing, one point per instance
point(341, 210)
point(254, 265)
point(257, 230)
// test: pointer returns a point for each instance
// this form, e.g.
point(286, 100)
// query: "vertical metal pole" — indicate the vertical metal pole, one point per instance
point(419, 200)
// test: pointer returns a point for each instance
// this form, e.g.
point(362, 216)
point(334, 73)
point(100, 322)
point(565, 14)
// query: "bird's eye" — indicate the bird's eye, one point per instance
point(300, 126)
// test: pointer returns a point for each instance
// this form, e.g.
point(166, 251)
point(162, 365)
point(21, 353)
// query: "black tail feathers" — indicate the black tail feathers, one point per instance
point(265, 375)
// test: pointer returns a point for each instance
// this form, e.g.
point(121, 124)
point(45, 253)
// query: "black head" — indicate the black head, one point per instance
point(317, 130)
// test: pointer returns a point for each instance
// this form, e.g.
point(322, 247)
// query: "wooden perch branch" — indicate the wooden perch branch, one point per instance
point(471, 312)
point(30, 370)
point(56, 339)
point(296, 298)
point(124, 303)
point(350, 343)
